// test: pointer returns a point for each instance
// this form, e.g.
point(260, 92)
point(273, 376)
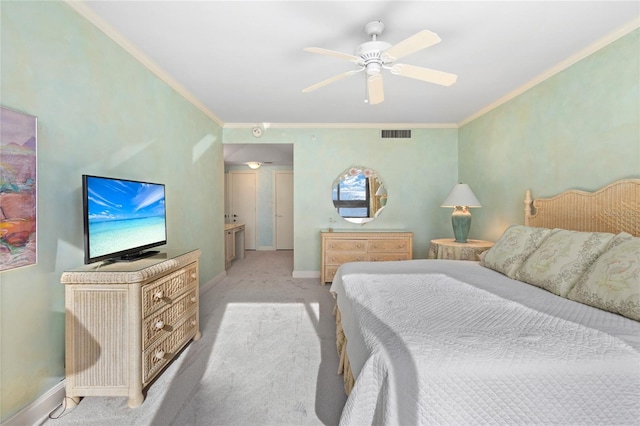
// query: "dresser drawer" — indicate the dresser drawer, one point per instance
point(162, 351)
point(330, 272)
point(375, 246)
point(343, 247)
point(385, 257)
point(164, 290)
point(163, 321)
point(346, 245)
point(338, 258)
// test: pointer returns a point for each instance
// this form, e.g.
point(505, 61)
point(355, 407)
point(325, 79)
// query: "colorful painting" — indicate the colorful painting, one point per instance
point(17, 189)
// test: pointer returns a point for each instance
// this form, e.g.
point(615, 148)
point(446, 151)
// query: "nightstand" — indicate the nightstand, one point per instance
point(447, 248)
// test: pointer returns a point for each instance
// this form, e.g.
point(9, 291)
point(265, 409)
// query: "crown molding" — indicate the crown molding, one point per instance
point(589, 50)
point(342, 125)
point(110, 32)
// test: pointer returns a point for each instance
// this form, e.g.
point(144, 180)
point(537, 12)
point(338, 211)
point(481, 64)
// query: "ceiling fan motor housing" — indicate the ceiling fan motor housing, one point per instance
point(371, 54)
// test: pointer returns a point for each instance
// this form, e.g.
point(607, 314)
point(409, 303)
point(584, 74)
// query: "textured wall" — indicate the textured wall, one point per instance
point(578, 129)
point(99, 112)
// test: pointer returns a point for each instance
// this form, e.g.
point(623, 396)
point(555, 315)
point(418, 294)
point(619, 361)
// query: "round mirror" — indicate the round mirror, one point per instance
point(359, 194)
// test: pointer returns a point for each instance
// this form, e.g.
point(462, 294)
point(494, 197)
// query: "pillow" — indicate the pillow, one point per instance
point(562, 258)
point(612, 283)
point(513, 247)
point(620, 238)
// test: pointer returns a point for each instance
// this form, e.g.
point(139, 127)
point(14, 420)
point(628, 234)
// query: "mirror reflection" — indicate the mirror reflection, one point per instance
point(359, 194)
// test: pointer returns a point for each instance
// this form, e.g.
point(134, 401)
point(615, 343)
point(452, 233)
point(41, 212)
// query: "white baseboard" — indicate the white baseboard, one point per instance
point(306, 274)
point(265, 248)
point(38, 411)
point(213, 281)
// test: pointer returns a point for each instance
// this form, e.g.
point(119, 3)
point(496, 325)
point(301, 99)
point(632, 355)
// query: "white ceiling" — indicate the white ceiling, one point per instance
point(244, 60)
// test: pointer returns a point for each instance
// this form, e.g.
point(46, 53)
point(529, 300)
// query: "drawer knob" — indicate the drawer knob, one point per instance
point(158, 295)
point(193, 276)
point(159, 324)
point(159, 354)
point(193, 299)
point(193, 322)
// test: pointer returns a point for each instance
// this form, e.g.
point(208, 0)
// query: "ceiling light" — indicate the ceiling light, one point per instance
point(254, 165)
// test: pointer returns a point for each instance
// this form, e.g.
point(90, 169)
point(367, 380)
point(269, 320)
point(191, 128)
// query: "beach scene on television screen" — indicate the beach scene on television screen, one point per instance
point(352, 187)
point(124, 214)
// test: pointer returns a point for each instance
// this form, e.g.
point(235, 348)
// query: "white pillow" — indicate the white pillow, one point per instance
point(513, 247)
point(612, 283)
point(562, 258)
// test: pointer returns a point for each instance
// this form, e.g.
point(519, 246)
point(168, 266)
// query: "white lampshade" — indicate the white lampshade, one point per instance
point(254, 165)
point(461, 195)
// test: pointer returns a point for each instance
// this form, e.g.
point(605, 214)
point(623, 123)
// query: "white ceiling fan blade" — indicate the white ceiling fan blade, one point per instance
point(425, 74)
point(375, 89)
point(331, 80)
point(335, 54)
point(418, 41)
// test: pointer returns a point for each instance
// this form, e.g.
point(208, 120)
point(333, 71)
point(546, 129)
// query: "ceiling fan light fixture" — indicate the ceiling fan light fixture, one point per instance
point(373, 68)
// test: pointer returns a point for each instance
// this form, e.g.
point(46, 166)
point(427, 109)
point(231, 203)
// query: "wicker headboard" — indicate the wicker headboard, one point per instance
point(614, 208)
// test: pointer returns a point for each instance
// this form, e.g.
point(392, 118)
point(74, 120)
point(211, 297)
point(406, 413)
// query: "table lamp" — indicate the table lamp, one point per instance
point(382, 193)
point(461, 198)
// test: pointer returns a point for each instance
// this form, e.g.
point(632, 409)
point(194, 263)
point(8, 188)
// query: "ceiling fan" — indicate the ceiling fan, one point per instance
point(374, 56)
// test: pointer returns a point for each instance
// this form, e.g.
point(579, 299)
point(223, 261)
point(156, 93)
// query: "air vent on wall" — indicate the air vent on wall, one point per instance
point(396, 134)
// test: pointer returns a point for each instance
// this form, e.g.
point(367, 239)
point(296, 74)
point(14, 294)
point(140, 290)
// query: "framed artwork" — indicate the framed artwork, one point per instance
point(18, 136)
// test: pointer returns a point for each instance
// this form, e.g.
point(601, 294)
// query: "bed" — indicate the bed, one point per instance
point(544, 329)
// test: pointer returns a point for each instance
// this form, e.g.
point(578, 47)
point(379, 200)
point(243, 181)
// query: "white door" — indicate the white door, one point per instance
point(284, 210)
point(243, 204)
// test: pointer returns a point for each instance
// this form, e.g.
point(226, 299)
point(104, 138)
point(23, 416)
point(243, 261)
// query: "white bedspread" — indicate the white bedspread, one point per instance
point(427, 348)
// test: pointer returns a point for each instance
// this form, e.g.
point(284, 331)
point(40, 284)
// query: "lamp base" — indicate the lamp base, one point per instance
point(461, 221)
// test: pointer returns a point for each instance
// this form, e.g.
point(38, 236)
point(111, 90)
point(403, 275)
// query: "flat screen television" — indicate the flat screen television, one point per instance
point(122, 218)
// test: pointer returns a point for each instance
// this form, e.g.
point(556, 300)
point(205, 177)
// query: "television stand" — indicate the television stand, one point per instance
point(125, 322)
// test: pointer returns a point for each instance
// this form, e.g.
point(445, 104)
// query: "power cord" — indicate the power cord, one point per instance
point(53, 415)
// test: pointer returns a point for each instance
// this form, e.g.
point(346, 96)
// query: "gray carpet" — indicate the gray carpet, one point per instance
point(267, 356)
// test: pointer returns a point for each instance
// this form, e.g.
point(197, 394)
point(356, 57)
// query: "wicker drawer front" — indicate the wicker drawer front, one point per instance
point(330, 272)
point(347, 245)
point(384, 257)
point(338, 258)
point(160, 353)
point(163, 321)
point(376, 246)
point(164, 290)
point(338, 248)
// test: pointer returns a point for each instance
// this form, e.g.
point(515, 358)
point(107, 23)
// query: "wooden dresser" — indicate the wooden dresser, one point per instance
point(343, 247)
point(125, 321)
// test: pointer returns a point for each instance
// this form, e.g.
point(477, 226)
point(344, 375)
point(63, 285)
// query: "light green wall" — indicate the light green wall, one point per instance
point(99, 112)
point(578, 129)
point(418, 173)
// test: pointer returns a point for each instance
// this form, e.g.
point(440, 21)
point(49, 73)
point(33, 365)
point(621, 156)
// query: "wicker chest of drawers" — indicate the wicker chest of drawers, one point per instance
point(343, 247)
point(125, 322)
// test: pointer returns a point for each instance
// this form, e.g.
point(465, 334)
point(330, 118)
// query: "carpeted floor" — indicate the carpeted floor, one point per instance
point(267, 356)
